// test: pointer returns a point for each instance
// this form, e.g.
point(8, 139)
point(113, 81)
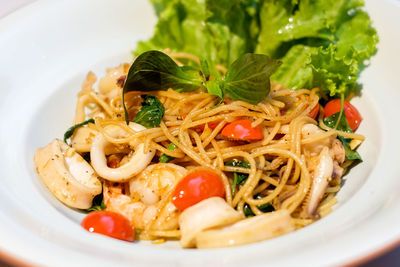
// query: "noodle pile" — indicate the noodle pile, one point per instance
point(280, 170)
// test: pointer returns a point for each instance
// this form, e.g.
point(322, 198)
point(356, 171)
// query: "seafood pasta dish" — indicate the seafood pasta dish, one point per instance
point(214, 150)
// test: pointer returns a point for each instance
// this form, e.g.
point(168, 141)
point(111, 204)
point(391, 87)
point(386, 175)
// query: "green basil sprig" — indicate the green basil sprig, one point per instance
point(247, 79)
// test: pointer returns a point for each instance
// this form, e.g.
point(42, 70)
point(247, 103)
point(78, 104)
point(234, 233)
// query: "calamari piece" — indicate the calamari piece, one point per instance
point(308, 131)
point(68, 176)
point(109, 82)
point(211, 212)
point(82, 140)
point(321, 176)
point(137, 162)
point(250, 230)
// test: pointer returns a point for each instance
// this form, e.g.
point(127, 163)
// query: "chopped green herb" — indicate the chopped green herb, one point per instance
point(267, 207)
point(164, 158)
point(151, 113)
point(238, 178)
point(98, 203)
point(247, 211)
point(71, 129)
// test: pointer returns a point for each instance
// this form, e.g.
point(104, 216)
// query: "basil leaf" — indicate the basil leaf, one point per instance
point(214, 88)
point(98, 203)
point(164, 158)
point(247, 210)
point(267, 207)
point(72, 129)
point(342, 125)
point(151, 113)
point(247, 79)
point(154, 70)
point(238, 178)
point(205, 69)
point(349, 153)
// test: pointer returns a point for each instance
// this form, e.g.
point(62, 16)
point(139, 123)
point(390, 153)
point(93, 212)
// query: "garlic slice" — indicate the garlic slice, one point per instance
point(247, 231)
point(68, 176)
point(211, 212)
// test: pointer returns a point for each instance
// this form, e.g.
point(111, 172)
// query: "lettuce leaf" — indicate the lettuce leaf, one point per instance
point(325, 43)
point(322, 44)
point(218, 31)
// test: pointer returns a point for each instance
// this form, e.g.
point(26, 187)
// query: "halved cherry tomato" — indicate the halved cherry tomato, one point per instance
point(242, 130)
point(352, 115)
point(212, 125)
point(197, 186)
point(109, 223)
point(314, 112)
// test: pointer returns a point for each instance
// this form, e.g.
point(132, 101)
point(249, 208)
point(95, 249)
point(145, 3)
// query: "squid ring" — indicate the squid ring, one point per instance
point(135, 165)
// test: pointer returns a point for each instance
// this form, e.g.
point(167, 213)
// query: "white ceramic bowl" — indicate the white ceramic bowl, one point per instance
point(47, 48)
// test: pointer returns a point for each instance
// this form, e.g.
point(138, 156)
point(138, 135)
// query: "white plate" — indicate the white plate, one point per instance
point(47, 48)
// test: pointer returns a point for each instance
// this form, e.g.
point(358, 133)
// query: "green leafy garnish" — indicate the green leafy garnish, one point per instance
point(154, 70)
point(218, 31)
point(325, 43)
point(151, 113)
point(164, 158)
point(72, 129)
point(238, 178)
point(247, 79)
point(267, 207)
point(339, 121)
point(98, 203)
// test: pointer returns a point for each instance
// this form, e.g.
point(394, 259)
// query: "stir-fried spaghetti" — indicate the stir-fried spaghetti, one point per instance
point(295, 166)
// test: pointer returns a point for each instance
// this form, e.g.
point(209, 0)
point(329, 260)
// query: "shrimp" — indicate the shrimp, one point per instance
point(145, 200)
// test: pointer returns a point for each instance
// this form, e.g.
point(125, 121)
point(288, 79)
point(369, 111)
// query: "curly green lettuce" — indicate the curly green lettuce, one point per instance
point(324, 43)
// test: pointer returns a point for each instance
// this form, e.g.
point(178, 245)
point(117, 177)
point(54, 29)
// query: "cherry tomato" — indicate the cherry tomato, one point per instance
point(242, 130)
point(314, 112)
point(197, 186)
point(352, 115)
point(109, 223)
point(212, 125)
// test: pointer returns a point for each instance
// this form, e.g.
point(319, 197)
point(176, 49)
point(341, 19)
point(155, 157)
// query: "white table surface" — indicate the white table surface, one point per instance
point(389, 259)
